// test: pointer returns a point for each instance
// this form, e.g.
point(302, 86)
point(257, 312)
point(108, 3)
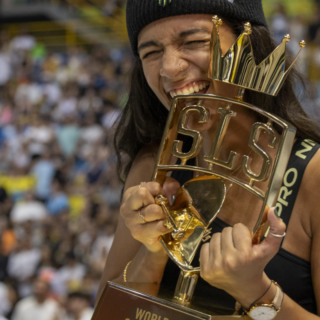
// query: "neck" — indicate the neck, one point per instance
point(41, 300)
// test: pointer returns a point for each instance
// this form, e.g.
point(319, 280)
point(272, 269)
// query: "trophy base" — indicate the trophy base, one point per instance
point(143, 301)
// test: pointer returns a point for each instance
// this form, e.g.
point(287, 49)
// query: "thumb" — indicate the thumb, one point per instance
point(271, 244)
point(170, 187)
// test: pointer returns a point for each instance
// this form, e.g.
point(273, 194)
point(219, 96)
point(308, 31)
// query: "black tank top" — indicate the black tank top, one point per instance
point(291, 272)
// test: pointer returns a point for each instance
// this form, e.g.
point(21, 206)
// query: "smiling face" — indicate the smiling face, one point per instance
point(175, 55)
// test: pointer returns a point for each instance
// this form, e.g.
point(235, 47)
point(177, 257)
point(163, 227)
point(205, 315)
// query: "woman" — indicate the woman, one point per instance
point(171, 40)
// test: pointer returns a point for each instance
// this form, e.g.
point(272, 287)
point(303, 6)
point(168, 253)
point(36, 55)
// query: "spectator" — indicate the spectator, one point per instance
point(38, 306)
point(90, 102)
point(68, 136)
point(24, 41)
point(67, 105)
point(58, 201)
point(43, 170)
point(279, 23)
point(78, 307)
point(69, 276)
point(90, 135)
point(28, 209)
point(22, 265)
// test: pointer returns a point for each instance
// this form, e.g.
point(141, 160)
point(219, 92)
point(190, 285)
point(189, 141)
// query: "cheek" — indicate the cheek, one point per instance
point(203, 59)
point(152, 75)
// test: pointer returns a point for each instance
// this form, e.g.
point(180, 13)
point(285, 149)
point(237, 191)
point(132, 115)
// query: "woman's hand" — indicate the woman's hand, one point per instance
point(140, 199)
point(230, 261)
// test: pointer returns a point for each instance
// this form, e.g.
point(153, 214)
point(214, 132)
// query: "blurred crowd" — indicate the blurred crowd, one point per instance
point(302, 28)
point(108, 7)
point(59, 192)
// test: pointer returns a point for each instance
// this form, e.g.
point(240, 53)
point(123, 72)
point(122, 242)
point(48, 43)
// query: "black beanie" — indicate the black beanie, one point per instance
point(140, 13)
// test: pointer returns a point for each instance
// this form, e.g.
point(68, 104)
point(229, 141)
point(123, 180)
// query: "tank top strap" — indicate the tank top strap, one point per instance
point(302, 152)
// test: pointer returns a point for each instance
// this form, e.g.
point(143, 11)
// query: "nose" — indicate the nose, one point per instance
point(172, 64)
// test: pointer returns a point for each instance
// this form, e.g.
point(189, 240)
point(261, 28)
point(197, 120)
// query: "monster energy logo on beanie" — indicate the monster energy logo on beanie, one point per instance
point(164, 2)
point(140, 13)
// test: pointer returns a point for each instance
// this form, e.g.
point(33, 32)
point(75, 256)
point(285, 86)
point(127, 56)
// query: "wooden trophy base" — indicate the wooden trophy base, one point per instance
point(141, 301)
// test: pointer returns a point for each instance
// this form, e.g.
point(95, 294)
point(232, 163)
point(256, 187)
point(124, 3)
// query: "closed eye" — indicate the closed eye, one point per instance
point(150, 53)
point(197, 42)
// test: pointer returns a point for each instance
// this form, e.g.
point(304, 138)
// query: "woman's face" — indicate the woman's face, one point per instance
point(175, 55)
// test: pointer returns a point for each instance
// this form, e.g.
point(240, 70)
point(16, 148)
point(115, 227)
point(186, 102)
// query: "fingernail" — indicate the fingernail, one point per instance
point(276, 212)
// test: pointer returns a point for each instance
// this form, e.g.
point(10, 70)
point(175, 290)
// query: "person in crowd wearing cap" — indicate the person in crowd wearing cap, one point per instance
point(171, 42)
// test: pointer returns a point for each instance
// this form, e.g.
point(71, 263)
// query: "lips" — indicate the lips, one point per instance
point(194, 87)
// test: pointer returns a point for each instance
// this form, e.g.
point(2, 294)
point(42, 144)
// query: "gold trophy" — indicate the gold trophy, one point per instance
point(220, 175)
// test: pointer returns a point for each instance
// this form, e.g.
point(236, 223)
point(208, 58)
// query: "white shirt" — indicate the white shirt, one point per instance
point(91, 134)
point(66, 275)
point(23, 265)
point(5, 68)
point(85, 315)
point(30, 309)
point(31, 210)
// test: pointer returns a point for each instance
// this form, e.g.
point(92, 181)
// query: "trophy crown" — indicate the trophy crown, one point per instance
point(238, 65)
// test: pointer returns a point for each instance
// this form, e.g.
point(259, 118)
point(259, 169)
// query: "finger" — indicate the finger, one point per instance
point(153, 212)
point(227, 240)
point(128, 193)
point(241, 237)
point(271, 244)
point(155, 229)
point(215, 246)
point(154, 188)
point(205, 260)
point(170, 188)
point(143, 196)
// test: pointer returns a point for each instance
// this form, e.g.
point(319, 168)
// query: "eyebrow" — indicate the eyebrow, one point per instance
point(146, 45)
point(185, 34)
point(182, 35)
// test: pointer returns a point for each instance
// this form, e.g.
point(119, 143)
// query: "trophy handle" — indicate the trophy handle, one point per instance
point(177, 232)
point(185, 287)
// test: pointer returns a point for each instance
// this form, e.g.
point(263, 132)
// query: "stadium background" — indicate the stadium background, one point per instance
point(63, 82)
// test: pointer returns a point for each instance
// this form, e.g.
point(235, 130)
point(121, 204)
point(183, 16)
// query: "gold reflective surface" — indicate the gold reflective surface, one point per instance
point(236, 170)
point(224, 175)
point(238, 65)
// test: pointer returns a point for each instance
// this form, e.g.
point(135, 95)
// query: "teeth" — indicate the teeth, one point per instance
point(192, 89)
point(185, 91)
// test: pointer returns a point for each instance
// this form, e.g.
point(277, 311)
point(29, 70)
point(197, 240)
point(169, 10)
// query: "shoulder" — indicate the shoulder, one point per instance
point(26, 303)
point(146, 155)
point(143, 165)
point(52, 304)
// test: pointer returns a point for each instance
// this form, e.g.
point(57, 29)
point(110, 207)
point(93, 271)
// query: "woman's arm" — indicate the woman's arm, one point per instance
point(309, 207)
point(146, 265)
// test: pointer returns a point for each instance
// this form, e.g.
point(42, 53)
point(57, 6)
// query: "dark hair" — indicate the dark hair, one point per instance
point(144, 117)
point(80, 295)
